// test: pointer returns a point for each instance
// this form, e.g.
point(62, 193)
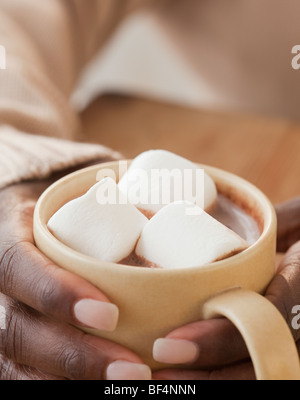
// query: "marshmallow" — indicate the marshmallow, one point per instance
point(182, 235)
point(108, 232)
point(142, 187)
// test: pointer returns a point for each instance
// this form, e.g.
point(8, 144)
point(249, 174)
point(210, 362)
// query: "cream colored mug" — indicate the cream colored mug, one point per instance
point(153, 302)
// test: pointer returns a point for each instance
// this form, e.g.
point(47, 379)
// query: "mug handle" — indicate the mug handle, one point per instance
point(267, 336)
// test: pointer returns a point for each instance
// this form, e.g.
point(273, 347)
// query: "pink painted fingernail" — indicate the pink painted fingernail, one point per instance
point(127, 371)
point(97, 314)
point(175, 351)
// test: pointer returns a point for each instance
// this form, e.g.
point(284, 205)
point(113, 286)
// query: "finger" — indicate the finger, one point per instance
point(284, 290)
point(31, 339)
point(242, 371)
point(10, 371)
point(217, 342)
point(28, 276)
point(288, 217)
point(203, 344)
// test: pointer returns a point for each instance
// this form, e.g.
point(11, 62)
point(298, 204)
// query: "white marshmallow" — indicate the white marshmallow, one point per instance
point(133, 182)
point(108, 232)
point(174, 238)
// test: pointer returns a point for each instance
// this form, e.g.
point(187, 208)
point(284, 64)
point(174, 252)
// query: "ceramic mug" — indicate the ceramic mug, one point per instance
point(153, 302)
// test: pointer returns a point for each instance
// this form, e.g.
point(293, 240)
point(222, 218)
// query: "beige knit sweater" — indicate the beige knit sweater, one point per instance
point(242, 49)
point(48, 43)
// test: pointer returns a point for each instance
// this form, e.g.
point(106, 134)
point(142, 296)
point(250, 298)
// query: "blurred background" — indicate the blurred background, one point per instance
point(210, 80)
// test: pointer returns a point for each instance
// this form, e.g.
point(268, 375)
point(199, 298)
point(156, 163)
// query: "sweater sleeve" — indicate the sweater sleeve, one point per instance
point(47, 44)
point(26, 157)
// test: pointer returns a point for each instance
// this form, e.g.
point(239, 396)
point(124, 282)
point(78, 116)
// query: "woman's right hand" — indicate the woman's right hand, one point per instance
point(43, 302)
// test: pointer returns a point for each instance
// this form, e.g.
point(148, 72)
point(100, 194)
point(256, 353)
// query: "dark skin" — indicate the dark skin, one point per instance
point(39, 297)
point(224, 355)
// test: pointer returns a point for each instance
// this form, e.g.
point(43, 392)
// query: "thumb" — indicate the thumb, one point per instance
point(284, 290)
point(288, 217)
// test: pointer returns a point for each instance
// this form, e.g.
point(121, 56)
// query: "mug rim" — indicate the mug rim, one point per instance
point(268, 212)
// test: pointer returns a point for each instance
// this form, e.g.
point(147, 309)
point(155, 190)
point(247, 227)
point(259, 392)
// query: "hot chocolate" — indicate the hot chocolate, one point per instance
point(236, 218)
point(154, 302)
point(189, 220)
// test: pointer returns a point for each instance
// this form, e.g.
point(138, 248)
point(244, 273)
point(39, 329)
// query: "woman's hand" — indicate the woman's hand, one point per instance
point(288, 216)
point(215, 348)
point(42, 302)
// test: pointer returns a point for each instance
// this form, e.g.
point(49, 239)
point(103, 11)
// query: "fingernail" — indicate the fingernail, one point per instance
point(127, 371)
point(97, 314)
point(175, 351)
